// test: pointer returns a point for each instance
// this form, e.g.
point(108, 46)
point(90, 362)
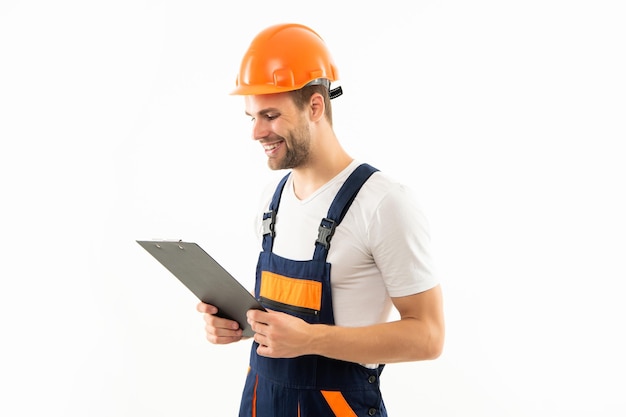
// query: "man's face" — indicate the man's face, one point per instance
point(281, 128)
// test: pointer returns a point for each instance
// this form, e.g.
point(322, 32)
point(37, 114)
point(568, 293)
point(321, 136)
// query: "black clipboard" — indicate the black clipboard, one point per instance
point(205, 278)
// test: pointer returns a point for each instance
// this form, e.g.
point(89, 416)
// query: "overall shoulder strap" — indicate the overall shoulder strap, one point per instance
point(339, 207)
point(269, 217)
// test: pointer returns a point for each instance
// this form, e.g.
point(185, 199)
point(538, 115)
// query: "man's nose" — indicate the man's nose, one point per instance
point(259, 130)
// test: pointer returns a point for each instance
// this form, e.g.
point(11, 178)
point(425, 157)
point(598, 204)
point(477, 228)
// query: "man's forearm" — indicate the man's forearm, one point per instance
point(398, 341)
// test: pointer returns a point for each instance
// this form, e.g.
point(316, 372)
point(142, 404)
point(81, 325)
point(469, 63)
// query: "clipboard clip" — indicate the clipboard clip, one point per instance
point(179, 245)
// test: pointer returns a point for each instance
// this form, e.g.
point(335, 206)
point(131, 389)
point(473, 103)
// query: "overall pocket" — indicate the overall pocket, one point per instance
point(296, 296)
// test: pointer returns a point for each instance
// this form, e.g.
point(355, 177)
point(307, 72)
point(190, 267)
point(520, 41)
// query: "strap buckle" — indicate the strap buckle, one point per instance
point(269, 222)
point(325, 232)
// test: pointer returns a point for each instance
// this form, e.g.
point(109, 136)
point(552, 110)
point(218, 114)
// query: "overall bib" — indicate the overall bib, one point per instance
point(310, 385)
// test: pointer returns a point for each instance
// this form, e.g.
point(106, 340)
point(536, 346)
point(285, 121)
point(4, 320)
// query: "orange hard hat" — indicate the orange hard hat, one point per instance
point(285, 57)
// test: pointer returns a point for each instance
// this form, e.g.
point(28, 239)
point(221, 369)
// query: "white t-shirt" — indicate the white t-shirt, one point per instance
point(379, 250)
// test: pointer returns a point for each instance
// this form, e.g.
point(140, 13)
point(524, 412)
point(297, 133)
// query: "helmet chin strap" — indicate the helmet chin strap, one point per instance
point(334, 93)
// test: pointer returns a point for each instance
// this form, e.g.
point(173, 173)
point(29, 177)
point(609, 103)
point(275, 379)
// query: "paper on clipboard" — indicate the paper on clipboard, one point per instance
point(205, 278)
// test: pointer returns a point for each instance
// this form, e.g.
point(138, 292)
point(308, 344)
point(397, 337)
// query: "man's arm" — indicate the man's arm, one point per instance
point(418, 334)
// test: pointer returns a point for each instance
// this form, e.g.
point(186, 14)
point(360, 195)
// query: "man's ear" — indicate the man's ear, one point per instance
point(317, 107)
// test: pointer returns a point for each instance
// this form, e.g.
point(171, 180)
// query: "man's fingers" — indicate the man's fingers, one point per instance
point(223, 336)
point(220, 323)
point(218, 329)
point(206, 308)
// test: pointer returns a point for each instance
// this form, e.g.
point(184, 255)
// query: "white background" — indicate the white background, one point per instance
point(506, 117)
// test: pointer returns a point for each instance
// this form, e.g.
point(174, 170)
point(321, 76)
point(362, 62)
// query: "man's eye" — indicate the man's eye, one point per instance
point(271, 116)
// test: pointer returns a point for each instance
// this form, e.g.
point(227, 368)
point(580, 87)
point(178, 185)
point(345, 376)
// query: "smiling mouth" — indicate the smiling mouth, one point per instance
point(269, 147)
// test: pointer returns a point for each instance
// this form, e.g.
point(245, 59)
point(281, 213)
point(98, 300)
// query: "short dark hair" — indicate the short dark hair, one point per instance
point(302, 96)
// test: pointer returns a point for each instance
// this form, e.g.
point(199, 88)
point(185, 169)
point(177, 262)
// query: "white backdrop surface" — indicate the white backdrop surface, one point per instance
point(507, 118)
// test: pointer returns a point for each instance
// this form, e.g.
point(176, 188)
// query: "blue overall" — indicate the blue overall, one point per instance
point(310, 385)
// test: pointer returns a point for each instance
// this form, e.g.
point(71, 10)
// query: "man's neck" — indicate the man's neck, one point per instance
point(309, 178)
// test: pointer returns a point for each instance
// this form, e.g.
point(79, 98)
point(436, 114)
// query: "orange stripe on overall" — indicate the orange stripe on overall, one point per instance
point(291, 291)
point(338, 404)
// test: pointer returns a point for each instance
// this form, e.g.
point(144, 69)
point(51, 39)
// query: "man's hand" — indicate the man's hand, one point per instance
point(218, 330)
point(280, 335)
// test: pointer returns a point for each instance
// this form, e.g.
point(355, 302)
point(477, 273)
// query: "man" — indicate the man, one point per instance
point(321, 345)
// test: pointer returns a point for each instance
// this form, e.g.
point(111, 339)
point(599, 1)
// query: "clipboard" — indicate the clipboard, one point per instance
point(205, 278)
